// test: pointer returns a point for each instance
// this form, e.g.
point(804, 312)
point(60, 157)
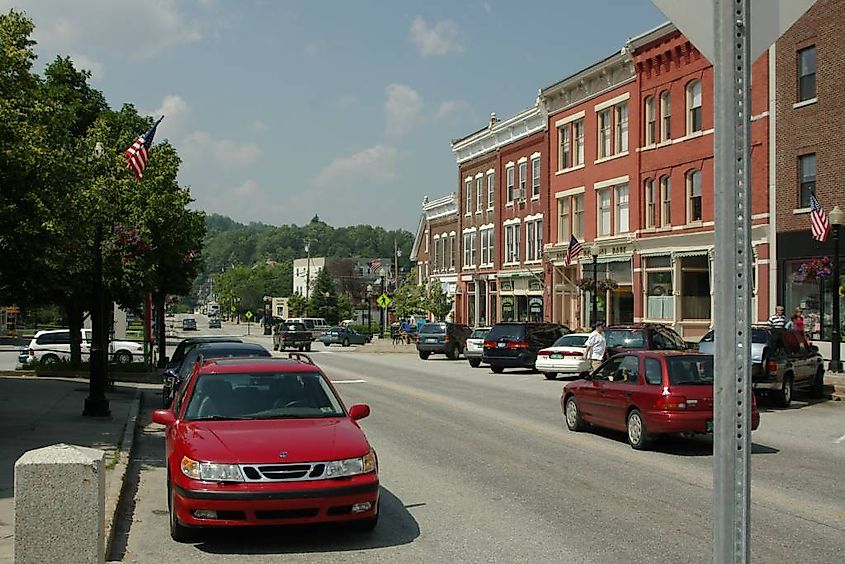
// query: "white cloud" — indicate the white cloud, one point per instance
point(402, 109)
point(176, 112)
point(246, 189)
point(437, 40)
point(98, 71)
point(447, 108)
point(200, 146)
point(376, 164)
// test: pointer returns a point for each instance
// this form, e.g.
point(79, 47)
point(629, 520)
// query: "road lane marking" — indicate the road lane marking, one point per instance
point(840, 440)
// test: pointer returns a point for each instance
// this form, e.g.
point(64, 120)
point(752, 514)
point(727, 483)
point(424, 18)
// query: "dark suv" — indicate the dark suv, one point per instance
point(642, 336)
point(442, 338)
point(515, 345)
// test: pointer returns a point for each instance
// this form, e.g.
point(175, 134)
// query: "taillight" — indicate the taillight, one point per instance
point(446, 339)
point(544, 353)
point(772, 367)
point(671, 403)
point(489, 344)
point(31, 352)
point(517, 345)
point(572, 353)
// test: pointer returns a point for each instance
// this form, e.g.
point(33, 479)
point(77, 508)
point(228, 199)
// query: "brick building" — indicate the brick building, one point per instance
point(435, 249)
point(809, 125)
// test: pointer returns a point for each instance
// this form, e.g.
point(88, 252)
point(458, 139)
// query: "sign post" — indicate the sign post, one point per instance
point(248, 316)
point(723, 31)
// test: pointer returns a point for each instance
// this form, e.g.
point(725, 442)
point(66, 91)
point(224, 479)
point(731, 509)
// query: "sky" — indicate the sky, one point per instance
point(346, 108)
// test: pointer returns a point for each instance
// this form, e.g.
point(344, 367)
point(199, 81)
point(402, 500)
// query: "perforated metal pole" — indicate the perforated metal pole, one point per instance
point(732, 429)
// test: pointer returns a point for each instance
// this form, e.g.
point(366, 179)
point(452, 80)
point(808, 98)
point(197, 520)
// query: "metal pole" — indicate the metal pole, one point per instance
point(307, 275)
point(369, 317)
point(383, 312)
point(835, 337)
point(733, 258)
point(595, 296)
point(96, 404)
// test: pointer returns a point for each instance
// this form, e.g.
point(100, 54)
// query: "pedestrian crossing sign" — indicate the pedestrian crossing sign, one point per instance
point(383, 301)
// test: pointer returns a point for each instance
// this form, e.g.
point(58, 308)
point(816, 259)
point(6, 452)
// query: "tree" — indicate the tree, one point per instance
point(410, 298)
point(297, 305)
point(437, 302)
point(324, 301)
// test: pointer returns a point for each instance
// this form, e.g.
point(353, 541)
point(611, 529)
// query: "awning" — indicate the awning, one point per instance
point(694, 253)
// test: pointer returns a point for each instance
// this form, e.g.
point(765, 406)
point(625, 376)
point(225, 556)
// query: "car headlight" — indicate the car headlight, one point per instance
point(210, 471)
point(352, 466)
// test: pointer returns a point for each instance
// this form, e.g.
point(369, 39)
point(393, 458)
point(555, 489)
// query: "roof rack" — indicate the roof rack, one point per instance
point(302, 357)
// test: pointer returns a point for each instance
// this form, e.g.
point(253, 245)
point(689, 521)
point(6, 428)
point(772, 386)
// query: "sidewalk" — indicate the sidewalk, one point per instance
point(37, 412)
point(835, 384)
point(386, 346)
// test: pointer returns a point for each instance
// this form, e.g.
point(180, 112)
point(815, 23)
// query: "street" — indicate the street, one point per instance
point(477, 467)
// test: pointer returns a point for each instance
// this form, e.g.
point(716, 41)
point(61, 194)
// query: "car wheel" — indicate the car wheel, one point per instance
point(326, 344)
point(453, 353)
point(49, 359)
point(637, 433)
point(424, 355)
point(178, 531)
point(818, 383)
point(308, 347)
point(346, 342)
point(123, 357)
point(474, 362)
point(497, 369)
point(784, 395)
point(550, 375)
point(573, 415)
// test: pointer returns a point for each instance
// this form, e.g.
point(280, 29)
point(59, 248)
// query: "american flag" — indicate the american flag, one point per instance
point(137, 155)
point(573, 251)
point(375, 264)
point(820, 224)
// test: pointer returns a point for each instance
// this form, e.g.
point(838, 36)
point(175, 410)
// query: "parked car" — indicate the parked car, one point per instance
point(291, 335)
point(174, 363)
point(515, 345)
point(189, 324)
point(642, 336)
point(23, 355)
point(475, 346)
point(566, 355)
point(204, 351)
point(266, 442)
point(442, 338)
point(343, 336)
point(50, 347)
point(646, 394)
point(781, 361)
point(214, 323)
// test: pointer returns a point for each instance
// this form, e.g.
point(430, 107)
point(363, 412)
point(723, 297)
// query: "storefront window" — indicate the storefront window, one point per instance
point(535, 308)
point(471, 303)
point(695, 287)
point(659, 298)
point(507, 309)
point(482, 303)
point(815, 298)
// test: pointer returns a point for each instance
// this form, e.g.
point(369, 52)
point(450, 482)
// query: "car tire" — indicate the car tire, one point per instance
point(308, 347)
point(817, 389)
point(550, 375)
point(475, 362)
point(638, 436)
point(453, 353)
point(325, 344)
point(572, 415)
point(123, 357)
point(178, 532)
point(49, 359)
point(497, 369)
point(783, 397)
point(346, 342)
point(424, 355)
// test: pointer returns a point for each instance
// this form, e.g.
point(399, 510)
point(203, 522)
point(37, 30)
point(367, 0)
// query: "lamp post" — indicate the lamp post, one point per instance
point(307, 274)
point(268, 315)
point(594, 252)
point(370, 309)
point(837, 217)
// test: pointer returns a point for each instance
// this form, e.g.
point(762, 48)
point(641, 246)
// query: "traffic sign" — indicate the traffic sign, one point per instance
point(383, 301)
point(248, 315)
point(234, 309)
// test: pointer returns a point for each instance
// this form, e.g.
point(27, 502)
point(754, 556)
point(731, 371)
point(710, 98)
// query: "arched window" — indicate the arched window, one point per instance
point(665, 201)
point(650, 197)
point(650, 122)
point(694, 207)
point(665, 116)
point(694, 107)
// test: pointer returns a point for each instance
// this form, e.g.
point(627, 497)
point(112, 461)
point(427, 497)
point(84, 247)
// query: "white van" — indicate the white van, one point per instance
point(316, 325)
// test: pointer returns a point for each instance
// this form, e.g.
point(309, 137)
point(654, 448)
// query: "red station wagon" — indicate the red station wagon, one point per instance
point(646, 394)
point(266, 442)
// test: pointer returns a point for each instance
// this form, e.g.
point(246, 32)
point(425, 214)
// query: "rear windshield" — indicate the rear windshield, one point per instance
point(479, 333)
point(433, 328)
point(504, 331)
point(571, 341)
point(760, 336)
point(625, 338)
point(690, 370)
point(219, 352)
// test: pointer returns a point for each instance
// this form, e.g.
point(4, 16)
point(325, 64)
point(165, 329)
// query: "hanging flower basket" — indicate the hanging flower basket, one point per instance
point(586, 285)
point(815, 268)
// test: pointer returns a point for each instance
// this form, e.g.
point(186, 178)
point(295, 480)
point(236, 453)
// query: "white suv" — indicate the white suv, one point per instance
point(49, 347)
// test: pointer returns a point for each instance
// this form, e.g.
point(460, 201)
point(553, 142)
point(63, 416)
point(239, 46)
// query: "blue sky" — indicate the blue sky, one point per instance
point(345, 109)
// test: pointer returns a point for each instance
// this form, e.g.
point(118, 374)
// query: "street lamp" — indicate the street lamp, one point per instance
point(369, 309)
point(268, 315)
point(837, 217)
point(307, 274)
point(594, 251)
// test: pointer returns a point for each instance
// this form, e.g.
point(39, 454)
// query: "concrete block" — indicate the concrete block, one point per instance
point(60, 505)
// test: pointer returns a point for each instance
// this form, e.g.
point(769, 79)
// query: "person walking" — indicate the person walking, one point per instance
point(778, 320)
point(596, 346)
point(796, 321)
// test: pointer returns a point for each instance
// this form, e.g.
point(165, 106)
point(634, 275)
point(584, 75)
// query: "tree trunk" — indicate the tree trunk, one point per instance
point(75, 319)
point(161, 332)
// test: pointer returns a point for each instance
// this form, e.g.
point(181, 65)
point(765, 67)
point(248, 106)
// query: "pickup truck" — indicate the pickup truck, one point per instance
point(291, 335)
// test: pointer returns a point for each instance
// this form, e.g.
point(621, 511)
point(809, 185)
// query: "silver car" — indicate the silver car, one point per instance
point(475, 346)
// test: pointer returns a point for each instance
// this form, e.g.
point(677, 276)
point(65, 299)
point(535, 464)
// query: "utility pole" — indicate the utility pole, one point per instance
point(96, 404)
point(307, 274)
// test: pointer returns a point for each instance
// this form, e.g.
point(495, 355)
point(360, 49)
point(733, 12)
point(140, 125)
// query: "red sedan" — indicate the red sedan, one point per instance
point(646, 393)
point(266, 442)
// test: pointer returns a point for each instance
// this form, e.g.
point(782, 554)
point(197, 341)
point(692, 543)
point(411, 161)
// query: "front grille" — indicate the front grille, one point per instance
point(287, 514)
point(284, 472)
point(340, 510)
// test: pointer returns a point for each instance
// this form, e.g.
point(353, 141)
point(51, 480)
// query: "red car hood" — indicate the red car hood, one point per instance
point(262, 442)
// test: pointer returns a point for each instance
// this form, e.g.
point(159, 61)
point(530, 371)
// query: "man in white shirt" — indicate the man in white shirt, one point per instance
point(596, 345)
point(778, 320)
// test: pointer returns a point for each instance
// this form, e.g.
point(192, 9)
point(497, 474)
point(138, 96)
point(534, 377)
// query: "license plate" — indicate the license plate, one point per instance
point(431, 340)
point(709, 427)
point(555, 356)
point(501, 345)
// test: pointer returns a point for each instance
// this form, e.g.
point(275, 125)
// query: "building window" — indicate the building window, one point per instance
point(486, 236)
point(665, 201)
point(665, 116)
point(512, 243)
point(469, 249)
point(695, 287)
point(694, 107)
point(479, 194)
point(806, 178)
point(650, 122)
point(427, 238)
point(452, 251)
point(534, 240)
point(807, 74)
point(468, 188)
point(535, 177)
point(605, 118)
point(578, 216)
point(564, 155)
point(510, 184)
point(621, 139)
point(658, 288)
point(436, 252)
point(622, 219)
point(473, 252)
point(564, 220)
point(694, 212)
point(578, 142)
point(650, 204)
point(491, 190)
point(523, 178)
point(604, 212)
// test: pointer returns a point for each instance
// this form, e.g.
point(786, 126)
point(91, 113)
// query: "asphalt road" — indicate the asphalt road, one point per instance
point(477, 467)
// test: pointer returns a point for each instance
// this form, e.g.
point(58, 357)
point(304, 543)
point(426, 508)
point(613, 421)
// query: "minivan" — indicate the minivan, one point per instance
point(515, 345)
point(316, 325)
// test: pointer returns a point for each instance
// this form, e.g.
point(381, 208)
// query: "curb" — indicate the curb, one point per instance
point(116, 487)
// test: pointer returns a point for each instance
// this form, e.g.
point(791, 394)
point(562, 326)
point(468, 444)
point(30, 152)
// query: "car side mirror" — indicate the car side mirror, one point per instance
point(164, 417)
point(359, 411)
point(585, 375)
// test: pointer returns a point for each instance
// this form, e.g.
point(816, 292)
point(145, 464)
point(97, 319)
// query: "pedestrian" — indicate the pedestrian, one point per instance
point(405, 331)
point(778, 320)
point(796, 321)
point(596, 345)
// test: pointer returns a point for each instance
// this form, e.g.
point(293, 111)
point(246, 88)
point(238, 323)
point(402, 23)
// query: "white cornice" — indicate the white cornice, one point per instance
point(441, 207)
point(523, 124)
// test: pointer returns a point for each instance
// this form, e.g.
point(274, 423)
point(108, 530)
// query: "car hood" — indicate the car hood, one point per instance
point(257, 442)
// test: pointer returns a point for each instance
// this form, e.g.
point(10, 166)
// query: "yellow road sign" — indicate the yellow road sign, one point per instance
point(248, 315)
point(383, 301)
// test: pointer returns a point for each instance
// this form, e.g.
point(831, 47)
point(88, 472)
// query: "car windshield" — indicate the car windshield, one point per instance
point(263, 395)
point(433, 328)
point(691, 370)
point(479, 333)
point(625, 338)
point(219, 352)
point(759, 336)
point(571, 341)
